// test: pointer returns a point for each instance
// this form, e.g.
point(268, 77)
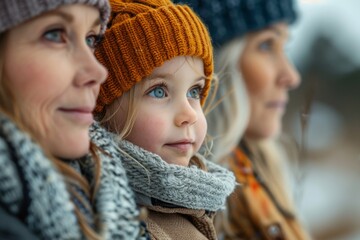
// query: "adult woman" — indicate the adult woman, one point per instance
point(255, 79)
point(49, 84)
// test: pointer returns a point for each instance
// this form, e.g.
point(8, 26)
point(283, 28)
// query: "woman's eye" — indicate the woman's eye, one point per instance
point(56, 35)
point(266, 45)
point(157, 92)
point(93, 40)
point(194, 92)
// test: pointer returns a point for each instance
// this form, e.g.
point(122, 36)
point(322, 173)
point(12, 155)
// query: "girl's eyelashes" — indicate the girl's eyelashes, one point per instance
point(93, 40)
point(55, 35)
point(195, 92)
point(161, 91)
point(158, 91)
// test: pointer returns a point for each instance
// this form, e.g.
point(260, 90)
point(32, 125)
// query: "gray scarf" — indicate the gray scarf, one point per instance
point(32, 190)
point(188, 187)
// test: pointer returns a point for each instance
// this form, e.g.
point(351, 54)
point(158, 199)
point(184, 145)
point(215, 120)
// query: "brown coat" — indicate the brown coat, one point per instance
point(180, 224)
point(252, 213)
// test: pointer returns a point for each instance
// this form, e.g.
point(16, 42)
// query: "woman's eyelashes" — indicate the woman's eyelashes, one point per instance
point(93, 40)
point(57, 35)
point(60, 36)
point(266, 45)
point(273, 43)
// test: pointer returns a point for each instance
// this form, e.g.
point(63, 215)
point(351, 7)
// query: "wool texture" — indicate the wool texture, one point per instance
point(228, 19)
point(15, 12)
point(33, 191)
point(141, 36)
point(188, 187)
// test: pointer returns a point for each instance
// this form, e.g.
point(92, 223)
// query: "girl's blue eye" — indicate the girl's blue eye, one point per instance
point(194, 92)
point(55, 35)
point(157, 92)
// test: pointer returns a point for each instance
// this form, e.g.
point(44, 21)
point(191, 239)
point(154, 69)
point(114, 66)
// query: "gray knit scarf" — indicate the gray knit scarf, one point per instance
point(188, 187)
point(32, 190)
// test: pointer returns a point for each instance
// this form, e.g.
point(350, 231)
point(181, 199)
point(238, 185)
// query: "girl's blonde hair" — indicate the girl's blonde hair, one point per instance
point(9, 107)
point(119, 117)
point(228, 122)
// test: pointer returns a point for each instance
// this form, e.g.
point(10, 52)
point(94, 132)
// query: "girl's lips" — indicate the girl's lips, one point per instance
point(181, 146)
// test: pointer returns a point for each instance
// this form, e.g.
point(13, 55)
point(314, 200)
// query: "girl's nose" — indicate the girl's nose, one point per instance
point(185, 115)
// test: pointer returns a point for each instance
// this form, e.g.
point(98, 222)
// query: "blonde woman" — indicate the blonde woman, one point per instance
point(49, 81)
point(255, 78)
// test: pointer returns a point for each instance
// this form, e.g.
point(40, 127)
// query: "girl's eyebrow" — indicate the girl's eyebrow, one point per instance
point(159, 76)
point(200, 79)
point(169, 77)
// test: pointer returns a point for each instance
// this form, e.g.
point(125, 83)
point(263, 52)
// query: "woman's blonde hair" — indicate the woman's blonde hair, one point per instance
point(228, 122)
point(269, 159)
point(9, 107)
point(229, 112)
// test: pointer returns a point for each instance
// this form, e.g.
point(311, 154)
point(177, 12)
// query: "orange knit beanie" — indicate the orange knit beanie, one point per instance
point(141, 36)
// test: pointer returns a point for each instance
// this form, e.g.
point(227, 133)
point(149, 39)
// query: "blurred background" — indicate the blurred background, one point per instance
point(323, 117)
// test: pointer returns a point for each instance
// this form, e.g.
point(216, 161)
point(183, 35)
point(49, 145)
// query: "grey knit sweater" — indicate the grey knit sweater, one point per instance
point(33, 191)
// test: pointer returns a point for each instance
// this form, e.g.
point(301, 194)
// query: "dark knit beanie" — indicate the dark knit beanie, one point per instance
point(141, 36)
point(228, 19)
point(15, 12)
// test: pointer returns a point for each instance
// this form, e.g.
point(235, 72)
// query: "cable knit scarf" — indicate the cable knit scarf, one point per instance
point(31, 189)
point(188, 187)
point(34, 191)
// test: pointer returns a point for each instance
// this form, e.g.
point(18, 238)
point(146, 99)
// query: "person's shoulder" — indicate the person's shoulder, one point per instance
point(12, 228)
point(6, 155)
point(4, 148)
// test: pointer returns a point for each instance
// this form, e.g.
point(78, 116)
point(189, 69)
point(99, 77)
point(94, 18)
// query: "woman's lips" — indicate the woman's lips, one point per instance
point(277, 104)
point(82, 115)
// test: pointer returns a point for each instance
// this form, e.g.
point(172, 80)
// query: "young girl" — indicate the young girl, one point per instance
point(49, 82)
point(256, 77)
point(159, 57)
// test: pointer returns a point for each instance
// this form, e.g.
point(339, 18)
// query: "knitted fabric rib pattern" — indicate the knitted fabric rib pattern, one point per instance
point(121, 215)
point(15, 12)
point(227, 19)
point(141, 36)
point(188, 187)
point(31, 189)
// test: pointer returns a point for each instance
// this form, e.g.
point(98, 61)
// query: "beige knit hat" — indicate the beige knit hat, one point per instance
point(141, 36)
point(15, 12)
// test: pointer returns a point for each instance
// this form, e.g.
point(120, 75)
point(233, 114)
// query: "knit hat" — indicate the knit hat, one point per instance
point(227, 19)
point(15, 12)
point(141, 36)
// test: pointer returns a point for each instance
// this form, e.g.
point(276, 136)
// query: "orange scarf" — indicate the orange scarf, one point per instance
point(252, 214)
